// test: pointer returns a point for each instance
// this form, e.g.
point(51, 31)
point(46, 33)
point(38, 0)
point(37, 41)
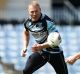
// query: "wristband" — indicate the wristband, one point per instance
point(25, 50)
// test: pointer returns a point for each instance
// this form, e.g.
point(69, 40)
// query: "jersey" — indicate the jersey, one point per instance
point(41, 28)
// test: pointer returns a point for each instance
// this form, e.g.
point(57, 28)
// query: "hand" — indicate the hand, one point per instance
point(36, 47)
point(23, 52)
point(70, 60)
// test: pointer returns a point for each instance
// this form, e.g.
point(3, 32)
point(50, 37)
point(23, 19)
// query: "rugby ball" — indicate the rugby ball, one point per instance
point(54, 39)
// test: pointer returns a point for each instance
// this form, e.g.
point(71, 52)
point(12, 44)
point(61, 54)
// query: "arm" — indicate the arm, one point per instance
point(39, 47)
point(51, 28)
point(53, 40)
point(47, 44)
point(72, 59)
point(77, 56)
point(25, 42)
point(25, 39)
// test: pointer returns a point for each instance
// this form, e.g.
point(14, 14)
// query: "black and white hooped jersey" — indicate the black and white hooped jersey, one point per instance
point(41, 28)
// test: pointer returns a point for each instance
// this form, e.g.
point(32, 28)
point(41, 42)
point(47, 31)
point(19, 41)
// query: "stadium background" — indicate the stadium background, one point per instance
point(66, 14)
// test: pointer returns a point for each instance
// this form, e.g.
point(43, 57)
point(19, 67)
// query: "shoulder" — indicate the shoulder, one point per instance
point(48, 19)
point(27, 21)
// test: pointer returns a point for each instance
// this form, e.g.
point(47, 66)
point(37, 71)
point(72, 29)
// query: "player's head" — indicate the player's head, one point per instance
point(34, 10)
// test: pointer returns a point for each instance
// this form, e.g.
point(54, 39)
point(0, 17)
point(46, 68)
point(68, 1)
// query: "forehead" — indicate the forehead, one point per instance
point(33, 7)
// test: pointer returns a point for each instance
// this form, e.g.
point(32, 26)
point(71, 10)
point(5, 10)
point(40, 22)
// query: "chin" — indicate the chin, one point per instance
point(34, 19)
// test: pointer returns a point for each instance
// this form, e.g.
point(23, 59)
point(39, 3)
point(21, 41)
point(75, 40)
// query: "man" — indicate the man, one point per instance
point(40, 26)
point(72, 59)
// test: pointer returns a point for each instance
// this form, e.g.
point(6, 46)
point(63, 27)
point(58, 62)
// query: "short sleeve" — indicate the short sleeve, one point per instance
point(51, 26)
point(26, 24)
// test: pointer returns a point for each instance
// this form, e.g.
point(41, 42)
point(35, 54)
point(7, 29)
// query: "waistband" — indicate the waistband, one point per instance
point(52, 50)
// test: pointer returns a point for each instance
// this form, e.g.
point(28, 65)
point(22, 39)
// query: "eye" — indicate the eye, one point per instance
point(32, 11)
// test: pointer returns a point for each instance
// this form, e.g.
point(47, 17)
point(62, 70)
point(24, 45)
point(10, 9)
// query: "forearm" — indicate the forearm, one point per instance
point(45, 45)
point(25, 39)
point(77, 56)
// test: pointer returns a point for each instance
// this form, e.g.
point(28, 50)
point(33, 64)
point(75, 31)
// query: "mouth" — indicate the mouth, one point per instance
point(34, 16)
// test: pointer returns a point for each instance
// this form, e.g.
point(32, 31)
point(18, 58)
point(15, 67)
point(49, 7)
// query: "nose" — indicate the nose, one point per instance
point(34, 13)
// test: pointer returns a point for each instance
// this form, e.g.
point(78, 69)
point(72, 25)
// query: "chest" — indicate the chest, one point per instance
point(37, 27)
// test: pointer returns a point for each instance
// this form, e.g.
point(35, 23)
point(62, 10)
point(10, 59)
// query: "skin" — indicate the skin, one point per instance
point(34, 12)
point(72, 59)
